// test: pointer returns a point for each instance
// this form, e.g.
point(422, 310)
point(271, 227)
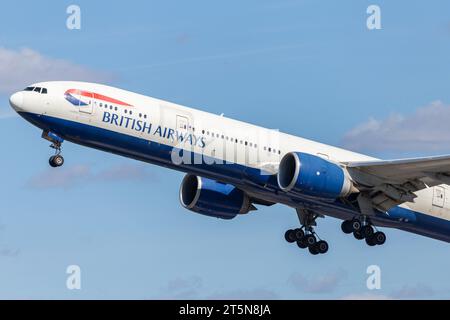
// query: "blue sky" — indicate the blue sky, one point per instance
point(308, 68)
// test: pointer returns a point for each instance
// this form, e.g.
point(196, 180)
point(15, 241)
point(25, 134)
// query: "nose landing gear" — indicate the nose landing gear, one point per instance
point(57, 160)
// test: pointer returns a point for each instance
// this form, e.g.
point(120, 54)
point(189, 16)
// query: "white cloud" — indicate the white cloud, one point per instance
point(406, 292)
point(366, 296)
point(9, 253)
point(326, 283)
point(425, 130)
point(19, 68)
point(192, 288)
point(182, 289)
point(245, 294)
point(418, 291)
point(68, 177)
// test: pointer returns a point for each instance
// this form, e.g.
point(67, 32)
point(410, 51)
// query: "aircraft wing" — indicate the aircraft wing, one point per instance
point(388, 183)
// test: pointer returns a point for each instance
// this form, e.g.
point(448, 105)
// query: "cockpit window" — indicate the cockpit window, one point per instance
point(36, 89)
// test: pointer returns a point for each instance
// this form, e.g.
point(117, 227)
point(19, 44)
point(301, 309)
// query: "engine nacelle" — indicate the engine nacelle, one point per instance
point(313, 176)
point(212, 198)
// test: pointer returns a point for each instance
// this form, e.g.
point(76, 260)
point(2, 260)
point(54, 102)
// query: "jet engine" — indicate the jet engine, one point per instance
point(213, 198)
point(314, 176)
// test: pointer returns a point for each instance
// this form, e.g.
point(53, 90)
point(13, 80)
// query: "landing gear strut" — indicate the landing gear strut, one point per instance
point(305, 236)
point(364, 229)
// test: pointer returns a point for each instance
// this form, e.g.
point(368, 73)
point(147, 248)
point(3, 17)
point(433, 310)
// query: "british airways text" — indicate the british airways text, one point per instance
point(147, 127)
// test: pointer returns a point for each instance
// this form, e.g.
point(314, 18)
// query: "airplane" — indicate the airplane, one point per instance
point(232, 167)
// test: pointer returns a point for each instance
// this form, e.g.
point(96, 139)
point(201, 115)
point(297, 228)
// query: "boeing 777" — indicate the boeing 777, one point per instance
point(231, 166)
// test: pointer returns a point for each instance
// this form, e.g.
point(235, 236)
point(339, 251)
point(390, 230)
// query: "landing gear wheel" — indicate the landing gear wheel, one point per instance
point(299, 234)
point(313, 250)
point(346, 227)
point(290, 236)
point(302, 244)
point(358, 235)
point(322, 247)
point(310, 240)
point(355, 225)
point(379, 238)
point(371, 241)
point(367, 231)
point(51, 162)
point(56, 161)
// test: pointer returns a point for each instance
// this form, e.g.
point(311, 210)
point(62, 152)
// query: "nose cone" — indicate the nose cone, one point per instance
point(16, 101)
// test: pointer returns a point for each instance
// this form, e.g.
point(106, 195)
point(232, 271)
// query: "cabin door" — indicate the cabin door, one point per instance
point(182, 124)
point(85, 103)
point(438, 196)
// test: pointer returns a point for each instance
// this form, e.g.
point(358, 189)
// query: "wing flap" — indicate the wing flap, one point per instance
point(388, 183)
point(405, 169)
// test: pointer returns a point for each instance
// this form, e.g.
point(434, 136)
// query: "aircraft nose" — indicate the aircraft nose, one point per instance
point(16, 101)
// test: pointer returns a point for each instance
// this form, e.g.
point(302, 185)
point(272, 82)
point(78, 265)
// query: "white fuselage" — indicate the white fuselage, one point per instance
point(213, 137)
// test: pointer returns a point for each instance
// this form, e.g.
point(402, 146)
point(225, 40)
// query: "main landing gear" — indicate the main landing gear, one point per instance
point(56, 160)
point(306, 237)
point(364, 230)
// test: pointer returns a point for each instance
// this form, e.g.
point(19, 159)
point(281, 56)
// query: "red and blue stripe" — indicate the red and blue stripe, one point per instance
point(72, 95)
